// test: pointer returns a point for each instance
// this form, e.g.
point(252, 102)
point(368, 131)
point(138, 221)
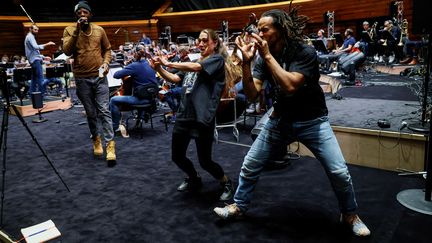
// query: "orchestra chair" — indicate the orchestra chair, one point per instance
point(148, 110)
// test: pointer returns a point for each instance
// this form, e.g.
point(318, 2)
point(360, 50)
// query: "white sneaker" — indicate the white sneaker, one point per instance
point(391, 59)
point(122, 131)
point(376, 58)
point(380, 59)
point(251, 108)
point(258, 108)
point(335, 74)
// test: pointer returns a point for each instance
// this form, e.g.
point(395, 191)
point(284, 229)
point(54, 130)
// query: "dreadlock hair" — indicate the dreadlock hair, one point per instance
point(290, 25)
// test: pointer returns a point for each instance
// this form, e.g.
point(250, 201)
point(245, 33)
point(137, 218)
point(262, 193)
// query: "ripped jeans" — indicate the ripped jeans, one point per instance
point(317, 135)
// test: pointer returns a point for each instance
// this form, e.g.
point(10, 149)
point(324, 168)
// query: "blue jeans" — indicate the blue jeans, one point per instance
point(123, 100)
point(173, 98)
point(271, 143)
point(37, 77)
point(50, 80)
point(93, 93)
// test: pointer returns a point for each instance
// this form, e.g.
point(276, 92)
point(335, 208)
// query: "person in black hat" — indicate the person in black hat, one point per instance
point(91, 50)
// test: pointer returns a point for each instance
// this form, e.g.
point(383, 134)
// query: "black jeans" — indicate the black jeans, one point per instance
point(180, 143)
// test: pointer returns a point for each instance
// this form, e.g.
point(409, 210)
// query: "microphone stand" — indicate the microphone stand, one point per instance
point(7, 108)
point(413, 198)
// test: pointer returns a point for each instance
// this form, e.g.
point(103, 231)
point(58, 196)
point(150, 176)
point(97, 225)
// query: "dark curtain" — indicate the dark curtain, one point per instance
point(191, 5)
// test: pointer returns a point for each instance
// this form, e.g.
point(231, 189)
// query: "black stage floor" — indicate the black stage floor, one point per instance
point(377, 96)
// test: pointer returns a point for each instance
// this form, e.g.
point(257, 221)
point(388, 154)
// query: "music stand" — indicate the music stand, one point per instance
point(319, 46)
point(3, 137)
point(386, 35)
point(7, 65)
point(67, 69)
point(412, 198)
point(338, 37)
point(20, 78)
point(55, 72)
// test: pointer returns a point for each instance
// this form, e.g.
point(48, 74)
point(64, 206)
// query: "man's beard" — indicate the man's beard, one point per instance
point(85, 26)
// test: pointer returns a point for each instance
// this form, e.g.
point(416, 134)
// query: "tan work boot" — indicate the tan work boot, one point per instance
point(110, 151)
point(97, 146)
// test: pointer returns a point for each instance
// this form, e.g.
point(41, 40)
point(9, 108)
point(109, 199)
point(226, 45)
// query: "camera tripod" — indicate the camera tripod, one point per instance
point(3, 137)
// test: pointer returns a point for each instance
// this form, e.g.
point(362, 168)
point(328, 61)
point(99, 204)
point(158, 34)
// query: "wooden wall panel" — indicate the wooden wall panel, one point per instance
point(346, 15)
point(12, 41)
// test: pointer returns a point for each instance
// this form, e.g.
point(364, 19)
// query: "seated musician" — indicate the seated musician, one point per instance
point(411, 49)
point(52, 78)
point(342, 51)
point(320, 36)
point(173, 94)
point(145, 40)
point(349, 63)
point(368, 39)
point(389, 43)
point(140, 73)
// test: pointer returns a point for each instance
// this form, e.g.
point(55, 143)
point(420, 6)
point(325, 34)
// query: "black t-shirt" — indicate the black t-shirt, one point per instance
point(201, 93)
point(308, 102)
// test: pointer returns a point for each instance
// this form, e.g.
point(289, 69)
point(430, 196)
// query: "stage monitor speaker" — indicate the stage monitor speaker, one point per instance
point(422, 19)
point(37, 101)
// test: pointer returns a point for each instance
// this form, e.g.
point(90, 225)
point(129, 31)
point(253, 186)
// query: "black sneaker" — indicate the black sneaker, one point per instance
point(228, 191)
point(190, 184)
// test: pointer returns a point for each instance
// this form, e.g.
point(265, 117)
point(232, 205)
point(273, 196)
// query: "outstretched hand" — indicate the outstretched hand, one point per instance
point(248, 50)
point(50, 43)
point(155, 61)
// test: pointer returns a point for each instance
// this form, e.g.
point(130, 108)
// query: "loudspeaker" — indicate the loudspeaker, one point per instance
point(422, 19)
point(38, 104)
point(326, 19)
point(393, 10)
point(36, 98)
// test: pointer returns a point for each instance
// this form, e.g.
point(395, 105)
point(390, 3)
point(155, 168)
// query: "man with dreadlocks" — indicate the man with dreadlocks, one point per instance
point(300, 112)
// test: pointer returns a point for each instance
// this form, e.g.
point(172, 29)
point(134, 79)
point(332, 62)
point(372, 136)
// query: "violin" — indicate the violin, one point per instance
point(251, 26)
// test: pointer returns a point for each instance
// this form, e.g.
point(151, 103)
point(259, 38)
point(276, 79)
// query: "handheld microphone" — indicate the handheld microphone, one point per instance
point(403, 125)
point(82, 21)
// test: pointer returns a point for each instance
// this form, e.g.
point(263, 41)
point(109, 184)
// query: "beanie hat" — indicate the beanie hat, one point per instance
point(82, 4)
